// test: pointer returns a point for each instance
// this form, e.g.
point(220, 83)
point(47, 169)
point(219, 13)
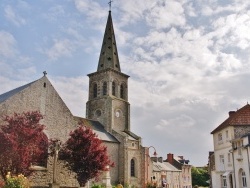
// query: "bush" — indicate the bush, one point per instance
point(151, 185)
point(19, 181)
point(97, 186)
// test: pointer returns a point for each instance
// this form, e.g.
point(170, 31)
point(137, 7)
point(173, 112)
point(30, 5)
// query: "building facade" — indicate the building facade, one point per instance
point(107, 113)
point(231, 155)
point(182, 164)
point(165, 172)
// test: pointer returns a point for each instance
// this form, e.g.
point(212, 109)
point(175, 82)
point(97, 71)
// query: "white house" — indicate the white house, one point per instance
point(231, 165)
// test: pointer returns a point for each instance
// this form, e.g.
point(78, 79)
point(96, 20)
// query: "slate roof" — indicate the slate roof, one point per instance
point(237, 118)
point(132, 136)
point(98, 128)
point(165, 166)
point(109, 54)
point(10, 93)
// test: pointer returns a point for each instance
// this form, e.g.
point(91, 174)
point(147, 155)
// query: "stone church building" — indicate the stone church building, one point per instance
point(107, 113)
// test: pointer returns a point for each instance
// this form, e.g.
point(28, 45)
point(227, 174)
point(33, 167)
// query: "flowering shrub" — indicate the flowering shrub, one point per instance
point(19, 181)
point(1, 184)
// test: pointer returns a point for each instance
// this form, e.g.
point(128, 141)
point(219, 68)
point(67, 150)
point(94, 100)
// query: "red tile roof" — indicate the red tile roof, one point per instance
point(240, 117)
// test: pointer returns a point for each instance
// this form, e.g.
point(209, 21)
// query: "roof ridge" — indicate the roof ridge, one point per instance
point(10, 93)
point(232, 117)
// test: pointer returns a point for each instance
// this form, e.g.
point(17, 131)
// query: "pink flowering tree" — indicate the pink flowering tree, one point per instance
point(23, 143)
point(85, 154)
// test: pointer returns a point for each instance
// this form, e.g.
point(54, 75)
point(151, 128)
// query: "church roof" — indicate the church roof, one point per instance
point(109, 54)
point(10, 93)
point(132, 135)
point(236, 118)
point(98, 128)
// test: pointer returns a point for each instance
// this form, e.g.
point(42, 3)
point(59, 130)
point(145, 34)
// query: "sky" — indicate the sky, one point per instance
point(188, 61)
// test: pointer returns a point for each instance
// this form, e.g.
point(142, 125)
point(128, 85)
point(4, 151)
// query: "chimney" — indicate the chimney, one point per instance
point(231, 113)
point(160, 159)
point(170, 158)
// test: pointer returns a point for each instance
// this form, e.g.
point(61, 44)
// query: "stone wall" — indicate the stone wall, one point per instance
point(59, 121)
point(113, 152)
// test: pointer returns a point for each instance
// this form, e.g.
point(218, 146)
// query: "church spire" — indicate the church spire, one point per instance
point(109, 55)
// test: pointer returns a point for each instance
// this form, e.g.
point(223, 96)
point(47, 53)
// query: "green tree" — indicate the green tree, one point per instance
point(200, 176)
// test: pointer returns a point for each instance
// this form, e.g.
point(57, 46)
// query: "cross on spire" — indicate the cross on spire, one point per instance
point(110, 4)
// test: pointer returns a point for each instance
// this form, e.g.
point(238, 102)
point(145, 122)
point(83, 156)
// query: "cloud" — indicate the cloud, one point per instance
point(54, 13)
point(59, 49)
point(91, 8)
point(170, 125)
point(13, 17)
point(74, 91)
point(188, 62)
point(8, 44)
point(164, 15)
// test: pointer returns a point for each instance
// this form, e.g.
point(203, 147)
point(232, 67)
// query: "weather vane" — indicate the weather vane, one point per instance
point(110, 4)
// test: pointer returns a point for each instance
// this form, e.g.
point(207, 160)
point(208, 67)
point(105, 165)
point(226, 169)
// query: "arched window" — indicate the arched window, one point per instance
point(122, 91)
point(95, 91)
point(113, 88)
point(104, 88)
point(244, 179)
point(132, 168)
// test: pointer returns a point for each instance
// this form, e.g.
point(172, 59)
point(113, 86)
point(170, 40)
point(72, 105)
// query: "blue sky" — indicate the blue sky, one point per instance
point(188, 61)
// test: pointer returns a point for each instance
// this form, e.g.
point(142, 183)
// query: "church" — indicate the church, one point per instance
point(107, 113)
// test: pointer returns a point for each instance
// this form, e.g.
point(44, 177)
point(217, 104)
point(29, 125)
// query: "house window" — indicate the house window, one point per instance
point(104, 88)
point(226, 134)
point(229, 158)
point(224, 181)
point(113, 88)
point(122, 91)
point(239, 147)
point(222, 159)
point(95, 91)
point(132, 168)
point(220, 137)
point(244, 179)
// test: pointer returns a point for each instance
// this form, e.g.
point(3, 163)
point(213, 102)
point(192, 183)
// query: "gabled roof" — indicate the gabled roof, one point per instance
point(11, 93)
point(171, 167)
point(237, 118)
point(98, 128)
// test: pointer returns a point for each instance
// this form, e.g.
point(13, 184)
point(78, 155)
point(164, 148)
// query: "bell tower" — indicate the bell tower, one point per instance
point(108, 87)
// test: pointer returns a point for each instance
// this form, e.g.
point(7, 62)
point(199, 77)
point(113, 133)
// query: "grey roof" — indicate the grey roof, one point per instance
point(131, 135)
point(10, 93)
point(98, 128)
point(165, 166)
point(109, 54)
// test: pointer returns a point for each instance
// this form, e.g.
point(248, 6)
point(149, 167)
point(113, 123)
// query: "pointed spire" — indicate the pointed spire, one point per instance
point(109, 55)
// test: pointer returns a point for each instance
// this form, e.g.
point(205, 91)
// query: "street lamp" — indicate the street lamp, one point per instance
point(148, 157)
point(155, 154)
